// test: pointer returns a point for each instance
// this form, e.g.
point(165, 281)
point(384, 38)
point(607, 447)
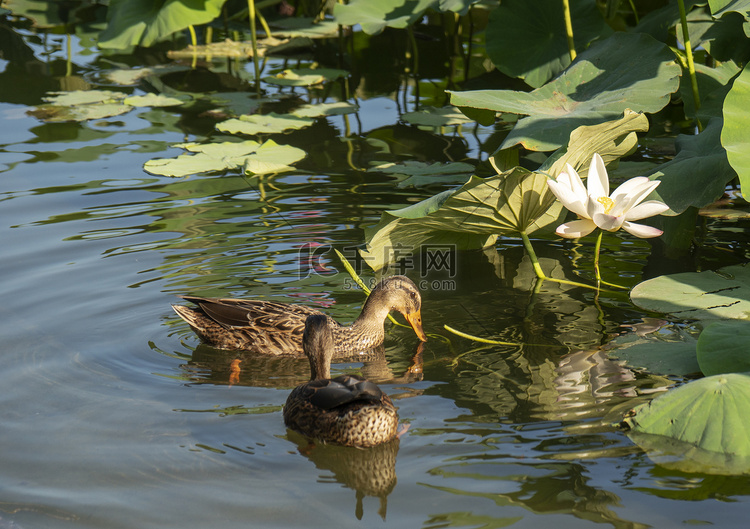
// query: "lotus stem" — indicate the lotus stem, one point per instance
point(254, 43)
point(690, 63)
point(569, 29)
point(597, 248)
point(477, 338)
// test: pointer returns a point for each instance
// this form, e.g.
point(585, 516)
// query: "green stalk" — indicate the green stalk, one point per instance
point(254, 43)
point(532, 255)
point(690, 63)
point(597, 248)
point(569, 29)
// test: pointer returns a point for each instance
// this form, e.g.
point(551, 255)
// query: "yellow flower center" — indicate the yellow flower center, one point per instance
point(607, 202)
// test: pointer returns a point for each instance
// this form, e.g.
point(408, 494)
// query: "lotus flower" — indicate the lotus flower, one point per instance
point(595, 207)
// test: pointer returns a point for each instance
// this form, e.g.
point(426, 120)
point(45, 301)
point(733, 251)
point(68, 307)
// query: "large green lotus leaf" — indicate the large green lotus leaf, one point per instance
point(721, 7)
point(305, 76)
point(698, 174)
point(528, 40)
point(611, 139)
point(207, 157)
point(272, 158)
point(734, 135)
point(263, 124)
point(670, 350)
point(304, 27)
point(724, 293)
point(373, 17)
point(723, 347)
point(145, 22)
point(627, 70)
point(710, 413)
point(417, 174)
point(470, 217)
point(713, 85)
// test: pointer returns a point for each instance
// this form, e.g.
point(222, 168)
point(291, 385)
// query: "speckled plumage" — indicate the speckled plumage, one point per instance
point(347, 410)
point(272, 328)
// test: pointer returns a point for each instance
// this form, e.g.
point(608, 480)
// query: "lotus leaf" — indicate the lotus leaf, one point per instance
point(325, 109)
point(305, 76)
point(413, 173)
point(734, 134)
point(436, 117)
point(523, 44)
point(698, 174)
point(373, 17)
point(254, 157)
point(709, 414)
point(470, 217)
point(152, 100)
point(668, 351)
point(724, 293)
point(145, 22)
point(723, 347)
point(272, 123)
point(627, 70)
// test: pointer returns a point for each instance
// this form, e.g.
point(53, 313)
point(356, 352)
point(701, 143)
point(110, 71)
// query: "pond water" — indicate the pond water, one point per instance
point(114, 415)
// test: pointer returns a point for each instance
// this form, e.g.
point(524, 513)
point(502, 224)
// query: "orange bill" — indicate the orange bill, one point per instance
point(415, 320)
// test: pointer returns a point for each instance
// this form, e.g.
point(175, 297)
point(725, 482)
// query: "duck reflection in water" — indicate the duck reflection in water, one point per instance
point(369, 472)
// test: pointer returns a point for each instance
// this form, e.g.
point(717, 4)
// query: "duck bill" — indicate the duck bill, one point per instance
point(415, 320)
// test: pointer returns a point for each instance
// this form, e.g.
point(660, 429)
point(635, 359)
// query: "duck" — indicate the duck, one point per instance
point(347, 410)
point(275, 328)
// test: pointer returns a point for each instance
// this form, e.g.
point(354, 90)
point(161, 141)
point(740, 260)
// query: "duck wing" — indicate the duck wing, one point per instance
point(240, 313)
point(343, 390)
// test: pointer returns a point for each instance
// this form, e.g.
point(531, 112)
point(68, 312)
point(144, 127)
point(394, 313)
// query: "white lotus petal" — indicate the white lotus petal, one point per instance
point(629, 187)
point(598, 180)
point(641, 230)
point(646, 209)
point(636, 194)
point(573, 202)
point(607, 222)
point(575, 228)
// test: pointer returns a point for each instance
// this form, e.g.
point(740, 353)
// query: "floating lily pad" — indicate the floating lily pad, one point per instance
point(305, 76)
point(263, 124)
point(724, 293)
point(152, 100)
point(271, 158)
point(437, 117)
point(709, 414)
point(627, 70)
point(81, 105)
point(413, 173)
point(253, 157)
point(325, 109)
point(723, 347)
point(671, 351)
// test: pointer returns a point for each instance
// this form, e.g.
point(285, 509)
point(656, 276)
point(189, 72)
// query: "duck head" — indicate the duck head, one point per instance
point(401, 294)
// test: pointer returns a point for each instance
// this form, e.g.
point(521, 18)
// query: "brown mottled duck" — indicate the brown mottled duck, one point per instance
point(272, 328)
point(347, 410)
